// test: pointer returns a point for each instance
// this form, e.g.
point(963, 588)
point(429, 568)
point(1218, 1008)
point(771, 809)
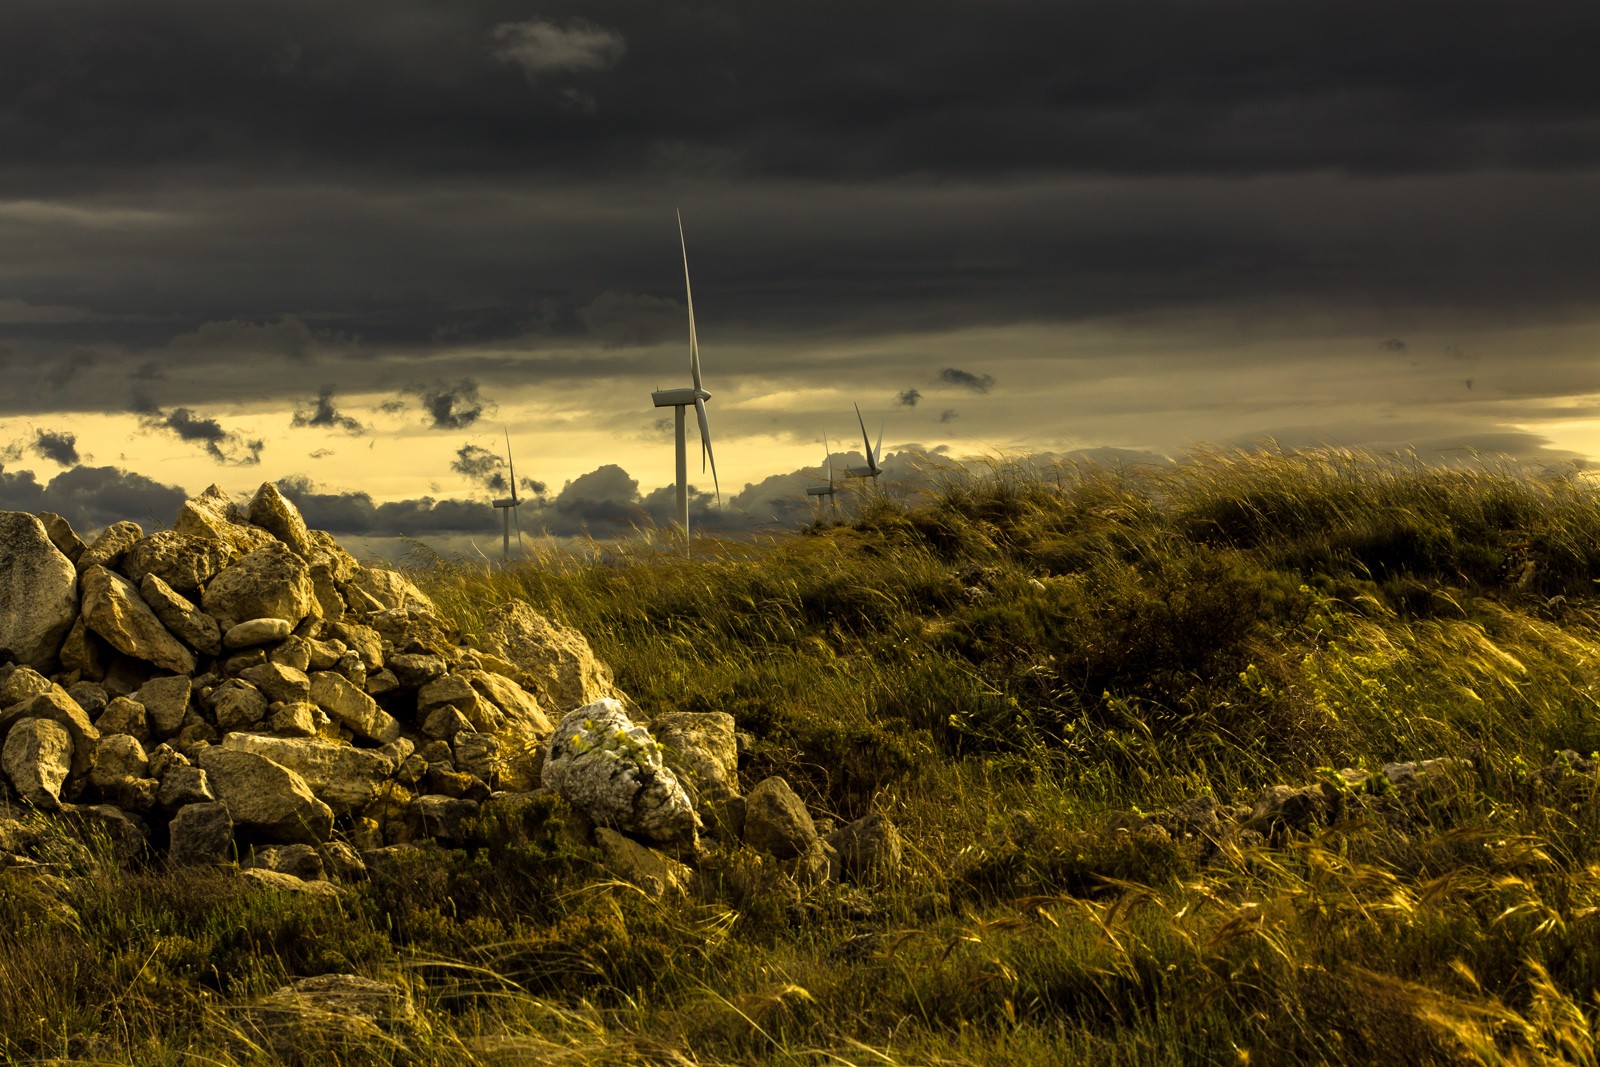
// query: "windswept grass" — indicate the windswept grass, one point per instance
point(1024, 671)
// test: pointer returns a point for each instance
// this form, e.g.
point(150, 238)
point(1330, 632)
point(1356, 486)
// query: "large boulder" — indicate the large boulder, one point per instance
point(273, 512)
point(183, 561)
point(180, 616)
point(200, 834)
point(113, 608)
point(562, 670)
point(58, 707)
point(214, 515)
point(390, 589)
point(506, 709)
point(270, 582)
point(610, 769)
point(342, 776)
point(37, 757)
point(38, 592)
point(264, 797)
point(112, 543)
point(352, 708)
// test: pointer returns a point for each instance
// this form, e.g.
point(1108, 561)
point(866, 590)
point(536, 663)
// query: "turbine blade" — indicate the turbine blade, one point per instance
point(512, 464)
point(705, 444)
point(877, 451)
point(827, 461)
point(866, 442)
point(516, 520)
point(688, 292)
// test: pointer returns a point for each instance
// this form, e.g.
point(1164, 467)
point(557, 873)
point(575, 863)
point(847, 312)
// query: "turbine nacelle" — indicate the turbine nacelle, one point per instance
point(679, 398)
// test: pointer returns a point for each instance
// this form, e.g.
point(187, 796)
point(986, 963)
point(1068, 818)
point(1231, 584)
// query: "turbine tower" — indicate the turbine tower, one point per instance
point(874, 453)
point(508, 506)
point(680, 399)
point(827, 464)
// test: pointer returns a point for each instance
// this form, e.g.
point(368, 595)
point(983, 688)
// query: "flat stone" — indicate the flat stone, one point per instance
point(254, 632)
point(342, 776)
point(278, 682)
point(351, 707)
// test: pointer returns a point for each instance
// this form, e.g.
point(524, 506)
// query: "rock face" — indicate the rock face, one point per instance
point(113, 608)
point(563, 669)
point(604, 765)
point(268, 583)
point(38, 592)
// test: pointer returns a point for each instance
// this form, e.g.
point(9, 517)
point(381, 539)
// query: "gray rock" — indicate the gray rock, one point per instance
point(380, 682)
point(200, 834)
point(91, 697)
point(124, 833)
point(279, 882)
point(85, 653)
point(116, 757)
point(868, 846)
point(505, 708)
point(451, 689)
point(416, 670)
point(776, 820)
point(113, 608)
point(352, 708)
point(254, 632)
point(183, 562)
point(107, 549)
point(237, 705)
point(180, 616)
point(562, 670)
point(342, 776)
point(37, 757)
point(443, 723)
point(342, 862)
point(302, 861)
point(270, 582)
point(166, 702)
point(38, 592)
point(442, 817)
point(264, 797)
point(123, 716)
point(612, 771)
point(701, 748)
point(478, 755)
point(273, 512)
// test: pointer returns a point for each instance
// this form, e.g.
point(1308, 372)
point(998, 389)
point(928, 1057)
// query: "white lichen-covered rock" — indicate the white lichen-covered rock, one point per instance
point(562, 670)
point(268, 583)
point(113, 608)
point(38, 592)
point(612, 770)
point(37, 757)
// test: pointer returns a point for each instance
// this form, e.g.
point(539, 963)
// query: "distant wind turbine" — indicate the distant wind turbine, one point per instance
point(874, 453)
point(827, 464)
point(509, 505)
point(680, 399)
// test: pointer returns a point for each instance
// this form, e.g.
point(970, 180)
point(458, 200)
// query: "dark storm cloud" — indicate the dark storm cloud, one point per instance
point(58, 447)
point(92, 498)
point(481, 466)
point(449, 407)
point(224, 446)
point(323, 413)
point(909, 397)
point(978, 383)
point(355, 513)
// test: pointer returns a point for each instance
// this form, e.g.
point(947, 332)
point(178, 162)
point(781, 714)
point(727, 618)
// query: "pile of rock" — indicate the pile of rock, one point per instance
point(241, 686)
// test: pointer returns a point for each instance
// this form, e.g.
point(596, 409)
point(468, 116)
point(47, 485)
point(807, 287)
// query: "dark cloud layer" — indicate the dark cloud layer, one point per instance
point(92, 498)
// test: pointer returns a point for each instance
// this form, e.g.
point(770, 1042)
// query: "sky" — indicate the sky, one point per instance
point(351, 248)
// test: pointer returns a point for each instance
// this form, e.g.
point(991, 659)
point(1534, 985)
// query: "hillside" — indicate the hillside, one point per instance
point(1256, 759)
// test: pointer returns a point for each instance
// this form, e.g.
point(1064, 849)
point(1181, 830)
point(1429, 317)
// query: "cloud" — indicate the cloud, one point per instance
point(1394, 344)
point(69, 367)
point(288, 338)
point(540, 46)
point(978, 383)
point(92, 498)
point(355, 513)
point(59, 448)
point(482, 466)
point(909, 397)
point(449, 407)
point(323, 413)
point(949, 415)
point(619, 320)
point(224, 446)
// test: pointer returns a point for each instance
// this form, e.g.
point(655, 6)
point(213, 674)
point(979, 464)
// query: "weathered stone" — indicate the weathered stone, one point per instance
point(243, 660)
point(302, 861)
point(445, 780)
point(380, 682)
point(342, 776)
point(352, 670)
point(295, 719)
point(506, 708)
point(125, 834)
point(322, 655)
point(352, 708)
point(342, 862)
point(62, 710)
point(335, 1018)
point(264, 797)
point(416, 670)
point(24, 683)
point(273, 512)
point(478, 755)
point(183, 562)
point(414, 631)
point(163, 758)
point(200, 834)
point(363, 640)
point(641, 865)
point(213, 515)
point(84, 652)
point(562, 668)
point(237, 705)
point(325, 587)
point(279, 682)
point(776, 820)
point(612, 771)
point(131, 794)
point(91, 697)
point(442, 817)
point(254, 632)
point(37, 757)
point(444, 722)
point(451, 689)
point(291, 652)
point(391, 589)
point(180, 616)
point(1282, 807)
point(270, 582)
point(113, 608)
point(327, 550)
point(166, 702)
point(118, 756)
point(124, 716)
point(107, 549)
point(701, 748)
point(868, 846)
point(184, 784)
point(62, 535)
point(38, 592)
point(279, 882)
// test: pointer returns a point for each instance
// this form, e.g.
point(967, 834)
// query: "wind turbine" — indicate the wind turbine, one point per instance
point(509, 506)
point(874, 453)
point(825, 490)
point(680, 399)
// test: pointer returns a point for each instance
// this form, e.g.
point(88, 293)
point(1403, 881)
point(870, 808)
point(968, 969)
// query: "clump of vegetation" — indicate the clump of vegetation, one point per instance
point(1028, 673)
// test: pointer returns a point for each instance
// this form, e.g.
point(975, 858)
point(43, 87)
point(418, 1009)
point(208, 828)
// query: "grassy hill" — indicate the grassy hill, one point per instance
point(1073, 691)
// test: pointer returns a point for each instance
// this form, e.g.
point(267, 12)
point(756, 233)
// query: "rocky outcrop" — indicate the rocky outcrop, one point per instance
point(38, 592)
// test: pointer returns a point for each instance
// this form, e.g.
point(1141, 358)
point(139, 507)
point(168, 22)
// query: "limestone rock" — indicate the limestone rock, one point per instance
point(166, 702)
point(562, 667)
point(180, 616)
point(302, 861)
point(605, 766)
point(335, 1017)
point(362, 640)
point(200, 834)
point(442, 817)
point(264, 797)
point(702, 749)
point(414, 671)
point(391, 589)
point(84, 652)
point(184, 562)
point(123, 716)
point(870, 845)
point(24, 683)
point(56, 706)
point(37, 757)
point(38, 592)
point(342, 776)
point(184, 784)
point(270, 582)
point(213, 515)
point(776, 820)
point(279, 683)
point(116, 757)
point(646, 868)
point(351, 707)
point(288, 883)
point(252, 632)
point(107, 549)
point(504, 707)
point(113, 608)
point(62, 535)
point(271, 511)
point(237, 705)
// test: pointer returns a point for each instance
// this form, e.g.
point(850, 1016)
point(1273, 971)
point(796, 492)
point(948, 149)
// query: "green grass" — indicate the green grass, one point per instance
point(1017, 671)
